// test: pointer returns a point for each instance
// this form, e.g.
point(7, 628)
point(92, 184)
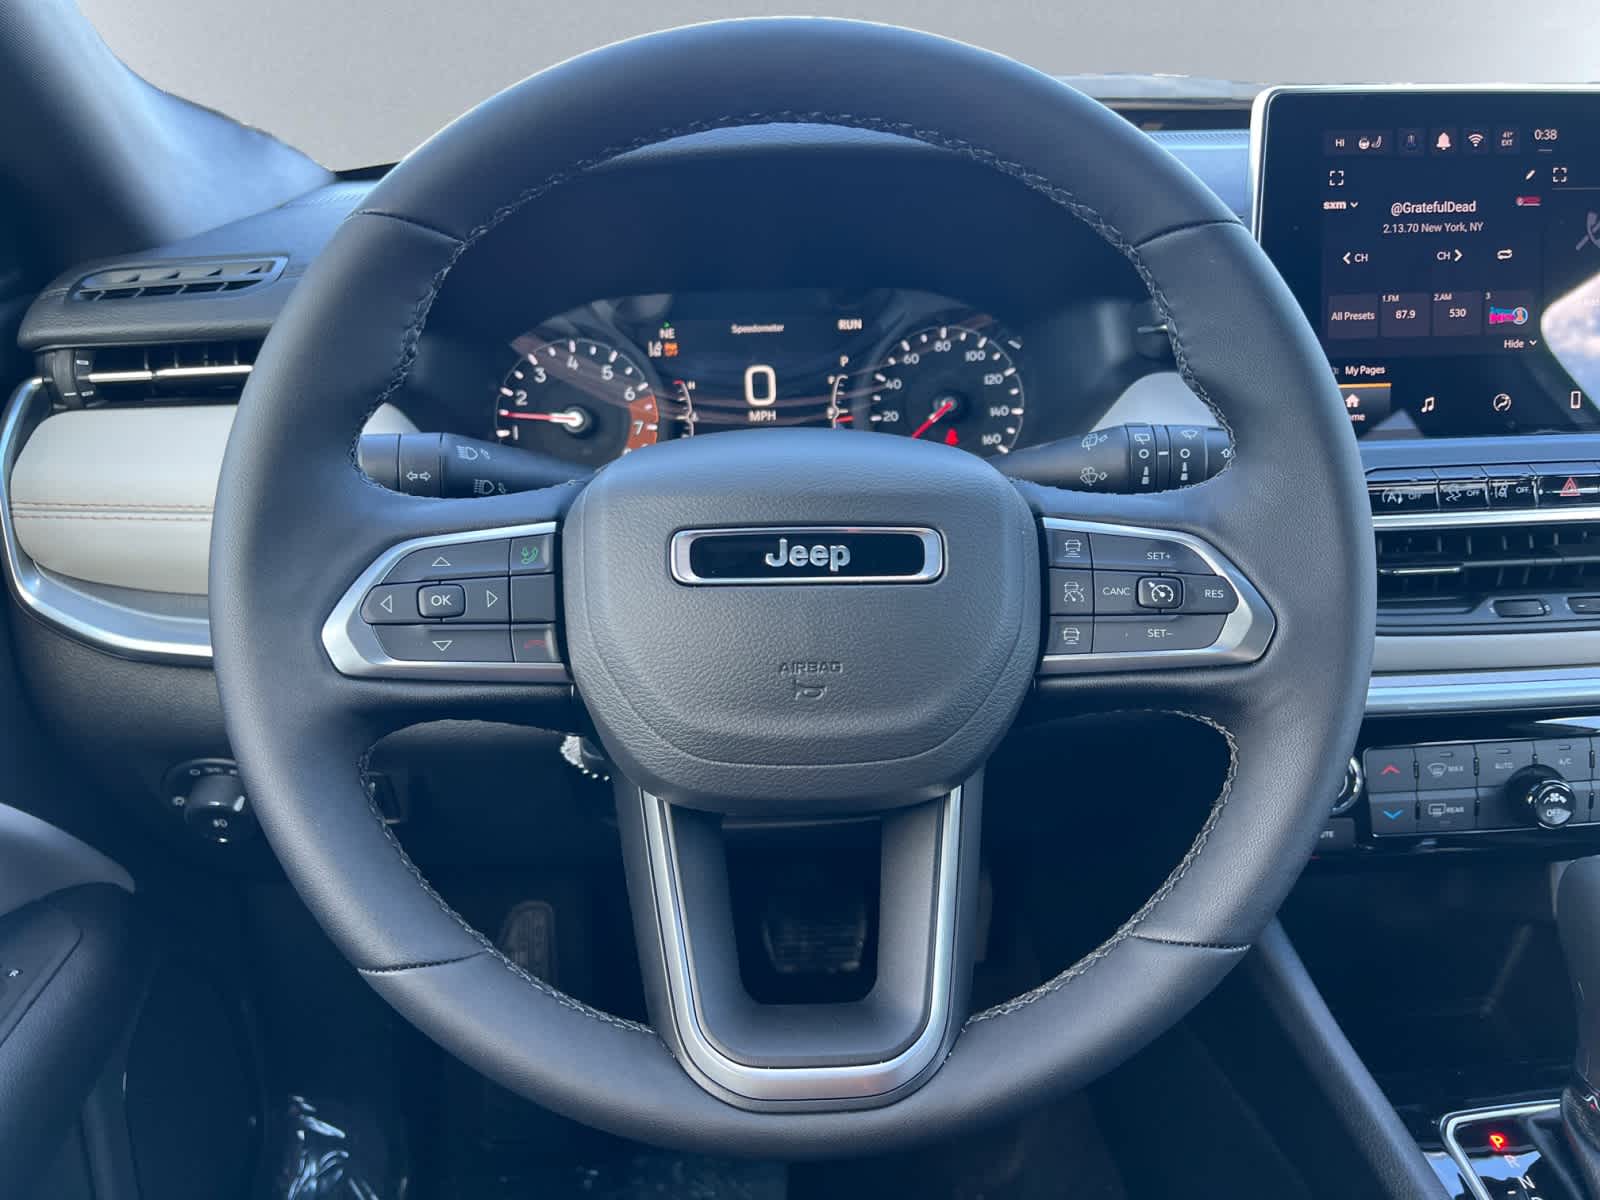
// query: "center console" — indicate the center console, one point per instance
point(1444, 244)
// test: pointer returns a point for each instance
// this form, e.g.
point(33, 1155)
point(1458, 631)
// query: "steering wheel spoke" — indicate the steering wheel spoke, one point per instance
point(918, 952)
point(1127, 598)
point(457, 612)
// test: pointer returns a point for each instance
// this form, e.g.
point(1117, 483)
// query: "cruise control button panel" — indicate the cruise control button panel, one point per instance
point(476, 606)
point(1125, 598)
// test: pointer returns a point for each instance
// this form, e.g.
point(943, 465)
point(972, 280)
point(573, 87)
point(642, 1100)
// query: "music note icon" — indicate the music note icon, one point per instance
point(1427, 404)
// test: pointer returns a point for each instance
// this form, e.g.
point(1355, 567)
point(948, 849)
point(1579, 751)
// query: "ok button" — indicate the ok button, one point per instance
point(441, 600)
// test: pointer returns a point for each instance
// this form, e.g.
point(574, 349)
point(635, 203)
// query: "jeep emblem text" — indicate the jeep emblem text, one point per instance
point(800, 554)
point(834, 557)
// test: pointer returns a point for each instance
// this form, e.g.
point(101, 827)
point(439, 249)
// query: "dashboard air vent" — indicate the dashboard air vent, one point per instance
point(1450, 579)
point(183, 372)
point(177, 277)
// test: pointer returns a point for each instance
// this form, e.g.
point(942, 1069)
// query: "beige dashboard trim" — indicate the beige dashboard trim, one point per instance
point(123, 496)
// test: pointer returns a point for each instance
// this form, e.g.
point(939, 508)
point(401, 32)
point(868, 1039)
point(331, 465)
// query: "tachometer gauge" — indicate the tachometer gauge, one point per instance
point(576, 398)
point(955, 383)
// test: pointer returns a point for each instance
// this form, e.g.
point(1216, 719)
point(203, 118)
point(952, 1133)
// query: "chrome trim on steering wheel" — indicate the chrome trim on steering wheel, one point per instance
point(354, 647)
point(863, 1082)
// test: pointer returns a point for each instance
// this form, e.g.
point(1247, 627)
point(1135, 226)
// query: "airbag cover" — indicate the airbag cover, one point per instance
point(815, 697)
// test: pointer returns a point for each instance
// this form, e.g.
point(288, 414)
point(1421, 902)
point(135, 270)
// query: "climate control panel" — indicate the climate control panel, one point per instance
point(1542, 786)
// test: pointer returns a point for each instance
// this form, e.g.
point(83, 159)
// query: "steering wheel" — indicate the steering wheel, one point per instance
point(745, 617)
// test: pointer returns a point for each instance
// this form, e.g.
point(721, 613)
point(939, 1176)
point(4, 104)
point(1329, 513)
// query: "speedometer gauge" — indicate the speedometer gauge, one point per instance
point(576, 398)
point(954, 383)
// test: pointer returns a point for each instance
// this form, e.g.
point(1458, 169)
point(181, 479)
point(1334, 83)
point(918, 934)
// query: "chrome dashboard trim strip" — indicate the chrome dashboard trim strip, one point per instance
point(1482, 691)
point(856, 1083)
point(353, 646)
point(1450, 1122)
point(220, 370)
point(1245, 633)
point(683, 569)
point(1486, 518)
point(116, 628)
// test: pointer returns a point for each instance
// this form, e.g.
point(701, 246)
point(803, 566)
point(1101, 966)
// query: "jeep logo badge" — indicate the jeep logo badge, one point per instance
point(808, 554)
point(834, 557)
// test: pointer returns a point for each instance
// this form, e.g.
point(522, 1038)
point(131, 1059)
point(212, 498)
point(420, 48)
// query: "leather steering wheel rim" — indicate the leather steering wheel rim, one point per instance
point(1290, 512)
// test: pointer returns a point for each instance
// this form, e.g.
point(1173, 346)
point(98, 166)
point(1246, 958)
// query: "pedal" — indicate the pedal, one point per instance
point(528, 938)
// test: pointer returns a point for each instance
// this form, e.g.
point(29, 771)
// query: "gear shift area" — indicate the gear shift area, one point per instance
point(1547, 1149)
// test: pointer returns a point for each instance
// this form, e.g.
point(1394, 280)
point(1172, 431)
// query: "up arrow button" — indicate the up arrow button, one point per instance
point(459, 560)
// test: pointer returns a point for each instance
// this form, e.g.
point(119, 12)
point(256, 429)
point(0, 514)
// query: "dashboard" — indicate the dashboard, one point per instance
point(616, 375)
point(1445, 245)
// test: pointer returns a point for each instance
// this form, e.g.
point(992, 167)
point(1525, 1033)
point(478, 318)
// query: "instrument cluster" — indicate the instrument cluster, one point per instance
point(618, 375)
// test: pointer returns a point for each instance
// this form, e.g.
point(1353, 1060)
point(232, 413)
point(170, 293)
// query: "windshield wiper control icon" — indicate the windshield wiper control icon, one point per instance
point(1592, 237)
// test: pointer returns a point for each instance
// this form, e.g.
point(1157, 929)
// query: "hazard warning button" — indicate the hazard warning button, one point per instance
point(1562, 484)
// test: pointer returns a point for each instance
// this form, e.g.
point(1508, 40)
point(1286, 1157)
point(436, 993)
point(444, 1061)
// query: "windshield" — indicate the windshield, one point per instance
point(358, 83)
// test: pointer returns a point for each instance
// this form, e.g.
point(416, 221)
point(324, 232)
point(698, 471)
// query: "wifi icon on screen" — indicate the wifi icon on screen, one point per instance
point(1476, 138)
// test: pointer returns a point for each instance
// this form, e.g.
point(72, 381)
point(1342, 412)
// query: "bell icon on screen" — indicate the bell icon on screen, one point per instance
point(1443, 144)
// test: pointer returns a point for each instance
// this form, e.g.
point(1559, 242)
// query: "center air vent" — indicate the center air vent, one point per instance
point(1453, 579)
point(183, 372)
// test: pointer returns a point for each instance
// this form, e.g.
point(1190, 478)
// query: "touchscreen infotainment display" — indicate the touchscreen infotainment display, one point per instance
point(1445, 245)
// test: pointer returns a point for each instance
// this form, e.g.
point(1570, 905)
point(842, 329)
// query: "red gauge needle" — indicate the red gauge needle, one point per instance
point(568, 418)
point(938, 414)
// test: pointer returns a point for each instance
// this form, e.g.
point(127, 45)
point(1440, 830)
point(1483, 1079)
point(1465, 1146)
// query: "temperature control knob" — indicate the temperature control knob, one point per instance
point(1545, 798)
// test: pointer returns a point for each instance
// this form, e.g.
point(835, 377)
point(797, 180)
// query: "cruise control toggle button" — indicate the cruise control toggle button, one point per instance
point(1157, 591)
